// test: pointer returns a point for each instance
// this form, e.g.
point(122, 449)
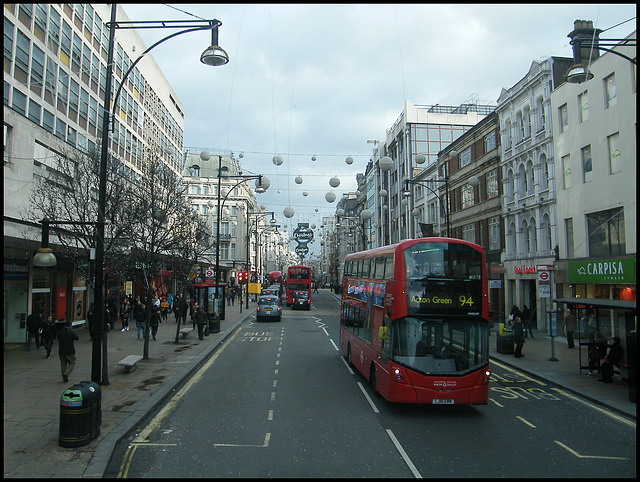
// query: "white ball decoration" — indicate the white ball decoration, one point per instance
point(316, 209)
point(334, 182)
point(277, 160)
point(305, 193)
point(330, 196)
point(288, 212)
point(298, 180)
point(349, 160)
point(313, 158)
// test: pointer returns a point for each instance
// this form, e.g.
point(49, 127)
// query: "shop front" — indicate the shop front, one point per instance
point(601, 279)
point(523, 287)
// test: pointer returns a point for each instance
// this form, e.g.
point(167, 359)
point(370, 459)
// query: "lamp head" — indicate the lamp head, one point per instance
point(44, 258)
point(214, 55)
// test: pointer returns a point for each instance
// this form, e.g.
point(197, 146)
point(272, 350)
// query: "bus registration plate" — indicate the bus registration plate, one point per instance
point(443, 401)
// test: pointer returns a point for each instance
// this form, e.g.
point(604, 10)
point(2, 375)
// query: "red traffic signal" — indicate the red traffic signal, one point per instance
point(240, 276)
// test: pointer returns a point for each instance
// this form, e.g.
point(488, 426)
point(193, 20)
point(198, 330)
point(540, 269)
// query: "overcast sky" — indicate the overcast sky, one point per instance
point(321, 80)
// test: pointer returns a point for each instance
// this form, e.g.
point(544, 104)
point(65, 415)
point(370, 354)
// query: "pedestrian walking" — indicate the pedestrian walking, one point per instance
point(518, 337)
point(164, 308)
point(67, 350)
point(113, 313)
point(141, 318)
point(34, 326)
point(154, 322)
point(48, 334)
point(200, 320)
point(515, 311)
point(125, 309)
point(570, 324)
point(613, 358)
point(526, 316)
point(177, 308)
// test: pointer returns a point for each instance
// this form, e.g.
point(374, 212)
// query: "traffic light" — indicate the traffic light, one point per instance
point(241, 277)
point(246, 276)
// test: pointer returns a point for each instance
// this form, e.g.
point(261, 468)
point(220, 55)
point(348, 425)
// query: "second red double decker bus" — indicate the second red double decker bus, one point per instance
point(415, 320)
point(298, 279)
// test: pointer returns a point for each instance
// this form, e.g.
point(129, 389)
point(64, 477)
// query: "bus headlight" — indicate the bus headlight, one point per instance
point(487, 375)
point(398, 373)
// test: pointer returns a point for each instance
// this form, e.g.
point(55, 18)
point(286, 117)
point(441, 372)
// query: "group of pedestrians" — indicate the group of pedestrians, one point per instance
point(44, 332)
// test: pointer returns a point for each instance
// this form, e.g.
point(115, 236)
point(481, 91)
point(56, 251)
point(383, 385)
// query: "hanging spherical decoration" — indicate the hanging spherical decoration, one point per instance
point(316, 209)
point(277, 160)
point(349, 160)
point(279, 191)
point(288, 212)
point(313, 158)
point(305, 193)
point(313, 226)
point(330, 196)
point(334, 182)
point(298, 180)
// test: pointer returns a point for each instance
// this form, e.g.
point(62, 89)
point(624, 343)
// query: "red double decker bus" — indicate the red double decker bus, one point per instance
point(415, 320)
point(298, 279)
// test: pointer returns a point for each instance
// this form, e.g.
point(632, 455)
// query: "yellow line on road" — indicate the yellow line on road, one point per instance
point(525, 421)
point(573, 452)
point(518, 373)
point(631, 423)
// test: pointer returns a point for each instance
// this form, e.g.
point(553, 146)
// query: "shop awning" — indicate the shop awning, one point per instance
point(626, 305)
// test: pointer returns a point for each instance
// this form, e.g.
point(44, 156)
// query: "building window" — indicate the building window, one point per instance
point(19, 102)
point(527, 122)
point(492, 184)
point(563, 113)
point(494, 233)
point(610, 89)
point(583, 103)
point(53, 38)
point(520, 127)
point(469, 233)
point(37, 70)
point(507, 132)
point(48, 120)
point(465, 157)
point(541, 116)
point(568, 227)
point(544, 172)
point(587, 164)
point(8, 45)
point(65, 43)
point(467, 196)
point(613, 141)
point(35, 110)
point(21, 69)
point(606, 233)
point(61, 129)
point(489, 142)
point(566, 171)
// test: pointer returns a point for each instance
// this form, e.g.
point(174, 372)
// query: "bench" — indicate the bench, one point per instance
point(185, 331)
point(620, 369)
point(129, 363)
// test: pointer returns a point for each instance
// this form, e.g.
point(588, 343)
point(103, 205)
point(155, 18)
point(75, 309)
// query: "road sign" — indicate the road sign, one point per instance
point(543, 276)
point(209, 273)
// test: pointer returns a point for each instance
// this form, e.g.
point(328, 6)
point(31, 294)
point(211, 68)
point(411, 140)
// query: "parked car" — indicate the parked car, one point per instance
point(302, 300)
point(268, 309)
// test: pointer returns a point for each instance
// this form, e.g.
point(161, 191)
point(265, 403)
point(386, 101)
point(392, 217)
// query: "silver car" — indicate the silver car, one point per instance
point(268, 309)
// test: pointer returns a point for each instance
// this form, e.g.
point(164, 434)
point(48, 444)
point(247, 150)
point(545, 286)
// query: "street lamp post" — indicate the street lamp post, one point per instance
point(262, 184)
point(273, 222)
point(213, 56)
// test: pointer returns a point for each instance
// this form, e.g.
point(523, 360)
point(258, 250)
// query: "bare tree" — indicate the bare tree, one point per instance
point(66, 189)
point(163, 230)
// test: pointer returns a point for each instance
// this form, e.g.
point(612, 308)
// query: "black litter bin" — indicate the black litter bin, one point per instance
point(214, 323)
point(80, 414)
point(504, 339)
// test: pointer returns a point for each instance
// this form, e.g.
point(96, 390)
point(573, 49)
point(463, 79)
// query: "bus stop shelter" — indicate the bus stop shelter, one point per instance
point(623, 324)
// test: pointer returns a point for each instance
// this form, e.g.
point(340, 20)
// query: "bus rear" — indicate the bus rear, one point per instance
point(298, 279)
point(421, 335)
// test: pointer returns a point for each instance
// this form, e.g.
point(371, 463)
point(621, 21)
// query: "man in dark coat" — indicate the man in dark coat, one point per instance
point(613, 358)
point(67, 350)
point(518, 337)
point(34, 325)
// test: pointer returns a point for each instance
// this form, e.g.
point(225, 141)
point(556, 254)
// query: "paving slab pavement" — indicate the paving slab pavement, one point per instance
point(33, 386)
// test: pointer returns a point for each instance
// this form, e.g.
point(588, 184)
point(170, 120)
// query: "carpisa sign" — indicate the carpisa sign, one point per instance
point(603, 271)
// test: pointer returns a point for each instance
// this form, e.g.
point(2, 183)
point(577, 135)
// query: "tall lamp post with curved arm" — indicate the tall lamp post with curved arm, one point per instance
point(262, 184)
point(213, 56)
